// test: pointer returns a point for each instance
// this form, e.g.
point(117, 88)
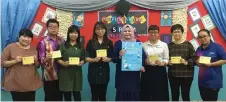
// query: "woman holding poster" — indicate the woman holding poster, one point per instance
point(127, 83)
point(98, 54)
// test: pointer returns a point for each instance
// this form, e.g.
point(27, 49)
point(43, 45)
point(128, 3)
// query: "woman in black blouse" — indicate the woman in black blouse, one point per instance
point(99, 69)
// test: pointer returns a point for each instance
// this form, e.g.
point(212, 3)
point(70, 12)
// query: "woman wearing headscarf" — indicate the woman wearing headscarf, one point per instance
point(127, 83)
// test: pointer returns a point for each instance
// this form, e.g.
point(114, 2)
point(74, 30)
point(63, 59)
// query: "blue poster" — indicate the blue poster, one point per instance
point(78, 18)
point(166, 18)
point(132, 59)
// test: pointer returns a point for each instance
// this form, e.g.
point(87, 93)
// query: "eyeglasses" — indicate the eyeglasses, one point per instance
point(200, 37)
point(53, 27)
point(177, 32)
point(99, 29)
point(153, 32)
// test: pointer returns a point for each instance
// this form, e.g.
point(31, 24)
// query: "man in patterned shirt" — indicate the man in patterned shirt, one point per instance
point(45, 47)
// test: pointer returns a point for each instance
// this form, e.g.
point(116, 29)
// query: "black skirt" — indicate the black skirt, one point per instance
point(154, 84)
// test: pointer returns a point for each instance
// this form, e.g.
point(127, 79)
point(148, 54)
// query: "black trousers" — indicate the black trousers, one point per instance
point(52, 91)
point(76, 95)
point(98, 92)
point(23, 96)
point(180, 82)
point(209, 94)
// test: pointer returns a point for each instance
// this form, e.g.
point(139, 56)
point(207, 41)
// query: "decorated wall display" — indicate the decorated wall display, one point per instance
point(166, 18)
point(207, 22)
point(49, 14)
point(211, 36)
point(194, 43)
point(65, 19)
point(45, 33)
point(167, 38)
point(36, 28)
point(195, 28)
point(194, 14)
point(180, 17)
point(78, 19)
point(114, 22)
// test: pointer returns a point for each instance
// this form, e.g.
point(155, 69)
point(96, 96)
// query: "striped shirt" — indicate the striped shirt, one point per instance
point(187, 52)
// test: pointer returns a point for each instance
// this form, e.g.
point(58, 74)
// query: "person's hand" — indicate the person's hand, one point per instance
point(207, 65)
point(97, 59)
point(81, 63)
point(170, 63)
point(147, 61)
point(159, 63)
point(142, 69)
point(197, 63)
point(18, 59)
point(35, 58)
point(48, 56)
point(66, 63)
point(183, 61)
point(106, 59)
point(122, 53)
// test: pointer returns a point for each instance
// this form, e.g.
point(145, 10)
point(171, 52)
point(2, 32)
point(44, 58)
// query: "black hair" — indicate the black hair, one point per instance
point(153, 27)
point(177, 27)
point(99, 25)
point(205, 30)
point(26, 32)
point(105, 36)
point(71, 29)
point(52, 21)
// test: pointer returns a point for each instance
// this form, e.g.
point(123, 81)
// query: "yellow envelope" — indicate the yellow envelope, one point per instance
point(175, 59)
point(74, 60)
point(56, 54)
point(28, 60)
point(153, 58)
point(204, 60)
point(101, 53)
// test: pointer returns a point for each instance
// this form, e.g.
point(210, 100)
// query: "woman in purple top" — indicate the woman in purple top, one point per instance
point(127, 83)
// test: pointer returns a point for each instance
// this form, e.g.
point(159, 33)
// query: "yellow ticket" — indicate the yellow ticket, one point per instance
point(153, 58)
point(28, 60)
point(56, 54)
point(74, 60)
point(204, 60)
point(101, 53)
point(175, 60)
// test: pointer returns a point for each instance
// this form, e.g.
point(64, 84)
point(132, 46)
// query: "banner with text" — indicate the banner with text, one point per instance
point(114, 22)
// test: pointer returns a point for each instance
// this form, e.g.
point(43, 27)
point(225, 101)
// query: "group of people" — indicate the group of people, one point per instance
point(62, 80)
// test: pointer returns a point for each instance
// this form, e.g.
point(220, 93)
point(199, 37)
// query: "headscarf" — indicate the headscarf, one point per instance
point(132, 38)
